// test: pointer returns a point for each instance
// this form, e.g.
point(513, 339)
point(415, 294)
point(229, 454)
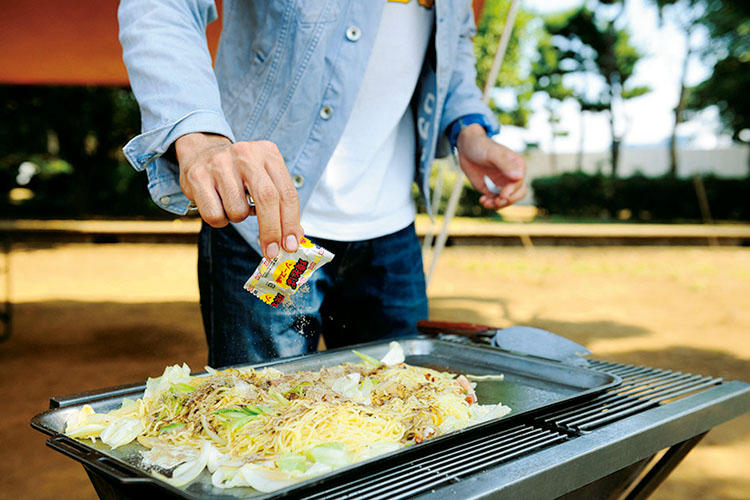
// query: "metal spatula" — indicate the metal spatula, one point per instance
point(518, 339)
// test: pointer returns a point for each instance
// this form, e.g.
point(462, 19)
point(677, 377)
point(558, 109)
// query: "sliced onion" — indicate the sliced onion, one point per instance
point(121, 432)
point(261, 479)
point(218, 439)
point(222, 475)
point(191, 469)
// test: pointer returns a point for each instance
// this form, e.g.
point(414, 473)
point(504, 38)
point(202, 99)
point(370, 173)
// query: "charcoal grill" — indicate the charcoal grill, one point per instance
point(621, 443)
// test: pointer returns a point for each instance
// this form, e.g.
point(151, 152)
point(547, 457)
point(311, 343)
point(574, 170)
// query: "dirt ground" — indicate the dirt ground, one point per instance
point(93, 316)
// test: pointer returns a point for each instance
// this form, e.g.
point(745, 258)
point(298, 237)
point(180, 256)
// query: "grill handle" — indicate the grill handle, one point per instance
point(471, 330)
point(101, 463)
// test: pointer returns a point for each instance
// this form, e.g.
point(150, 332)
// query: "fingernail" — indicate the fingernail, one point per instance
point(516, 173)
point(291, 243)
point(272, 250)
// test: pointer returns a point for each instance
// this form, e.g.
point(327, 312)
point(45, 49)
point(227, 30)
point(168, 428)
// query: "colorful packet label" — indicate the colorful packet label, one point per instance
point(276, 279)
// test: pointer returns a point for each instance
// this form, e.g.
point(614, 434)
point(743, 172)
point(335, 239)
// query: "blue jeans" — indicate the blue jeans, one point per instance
point(371, 290)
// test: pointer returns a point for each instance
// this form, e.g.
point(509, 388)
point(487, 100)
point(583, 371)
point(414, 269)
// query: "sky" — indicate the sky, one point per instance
point(647, 119)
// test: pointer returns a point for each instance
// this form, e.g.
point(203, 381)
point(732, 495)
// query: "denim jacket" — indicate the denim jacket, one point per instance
point(287, 71)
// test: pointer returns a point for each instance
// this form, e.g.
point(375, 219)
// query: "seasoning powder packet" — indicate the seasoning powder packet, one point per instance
point(276, 279)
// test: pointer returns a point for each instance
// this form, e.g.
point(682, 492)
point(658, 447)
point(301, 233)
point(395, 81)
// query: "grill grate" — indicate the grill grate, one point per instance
point(447, 466)
point(641, 389)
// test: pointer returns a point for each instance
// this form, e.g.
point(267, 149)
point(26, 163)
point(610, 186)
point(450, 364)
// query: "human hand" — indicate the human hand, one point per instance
point(479, 156)
point(215, 173)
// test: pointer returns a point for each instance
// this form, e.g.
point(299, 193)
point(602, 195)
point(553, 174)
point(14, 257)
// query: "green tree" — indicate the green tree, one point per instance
point(685, 14)
point(728, 23)
point(591, 44)
point(547, 77)
point(514, 74)
point(73, 136)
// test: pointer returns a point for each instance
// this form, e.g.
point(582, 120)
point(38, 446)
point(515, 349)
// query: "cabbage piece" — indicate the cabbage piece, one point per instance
point(181, 388)
point(298, 389)
point(121, 431)
point(278, 397)
point(292, 462)
point(127, 408)
point(242, 389)
point(368, 359)
point(347, 386)
point(174, 374)
point(395, 354)
point(365, 389)
point(317, 469)
point(269, 372)
point(84, 431)
point(171, 427)
point(332, 454)
point(85, 423)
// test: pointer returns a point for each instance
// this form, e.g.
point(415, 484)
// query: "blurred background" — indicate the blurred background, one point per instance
point(633, 240)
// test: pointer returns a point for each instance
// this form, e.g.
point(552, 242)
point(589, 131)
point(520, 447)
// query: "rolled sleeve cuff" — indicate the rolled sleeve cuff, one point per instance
point(145, 152)
point(454, 129)
point(451, 115)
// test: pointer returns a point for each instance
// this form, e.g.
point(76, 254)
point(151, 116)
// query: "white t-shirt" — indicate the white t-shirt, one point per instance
point(365, 190)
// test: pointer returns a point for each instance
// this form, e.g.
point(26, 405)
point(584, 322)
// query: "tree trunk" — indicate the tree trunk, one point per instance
point(615, 145)
point(552, 156)
point(680, 107)
point(579, 158)
point(552, 136)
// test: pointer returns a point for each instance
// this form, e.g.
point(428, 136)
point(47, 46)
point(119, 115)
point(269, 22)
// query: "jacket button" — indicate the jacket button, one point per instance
point(353, 33)
point(326, 112)
point(298, 181)
point(164, 200)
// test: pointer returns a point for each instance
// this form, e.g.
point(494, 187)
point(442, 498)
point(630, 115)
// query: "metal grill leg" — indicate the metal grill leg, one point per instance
point(663, 468)
point(105, 489)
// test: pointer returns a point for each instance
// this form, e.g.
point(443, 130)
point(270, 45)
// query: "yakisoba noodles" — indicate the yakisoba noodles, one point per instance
point(267, 429)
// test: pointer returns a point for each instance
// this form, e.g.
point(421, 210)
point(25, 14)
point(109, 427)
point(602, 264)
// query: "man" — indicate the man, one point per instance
point(332, 106)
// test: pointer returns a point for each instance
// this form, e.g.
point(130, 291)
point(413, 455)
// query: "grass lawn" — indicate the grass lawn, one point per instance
point(92, 316)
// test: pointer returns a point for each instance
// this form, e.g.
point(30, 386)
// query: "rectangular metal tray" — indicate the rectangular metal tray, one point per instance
point(531, 386)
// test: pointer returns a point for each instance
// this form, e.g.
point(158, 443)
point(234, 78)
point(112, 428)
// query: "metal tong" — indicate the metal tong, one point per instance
point(523, 340)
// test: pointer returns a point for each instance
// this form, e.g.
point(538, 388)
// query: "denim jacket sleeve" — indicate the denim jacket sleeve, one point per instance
point(169, 65)
point(463, 96)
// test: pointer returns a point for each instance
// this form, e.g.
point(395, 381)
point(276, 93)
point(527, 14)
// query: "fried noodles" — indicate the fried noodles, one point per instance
point(266, 429)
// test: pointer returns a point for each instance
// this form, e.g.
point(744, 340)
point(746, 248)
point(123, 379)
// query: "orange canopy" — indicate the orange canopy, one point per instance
point(70, 42)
